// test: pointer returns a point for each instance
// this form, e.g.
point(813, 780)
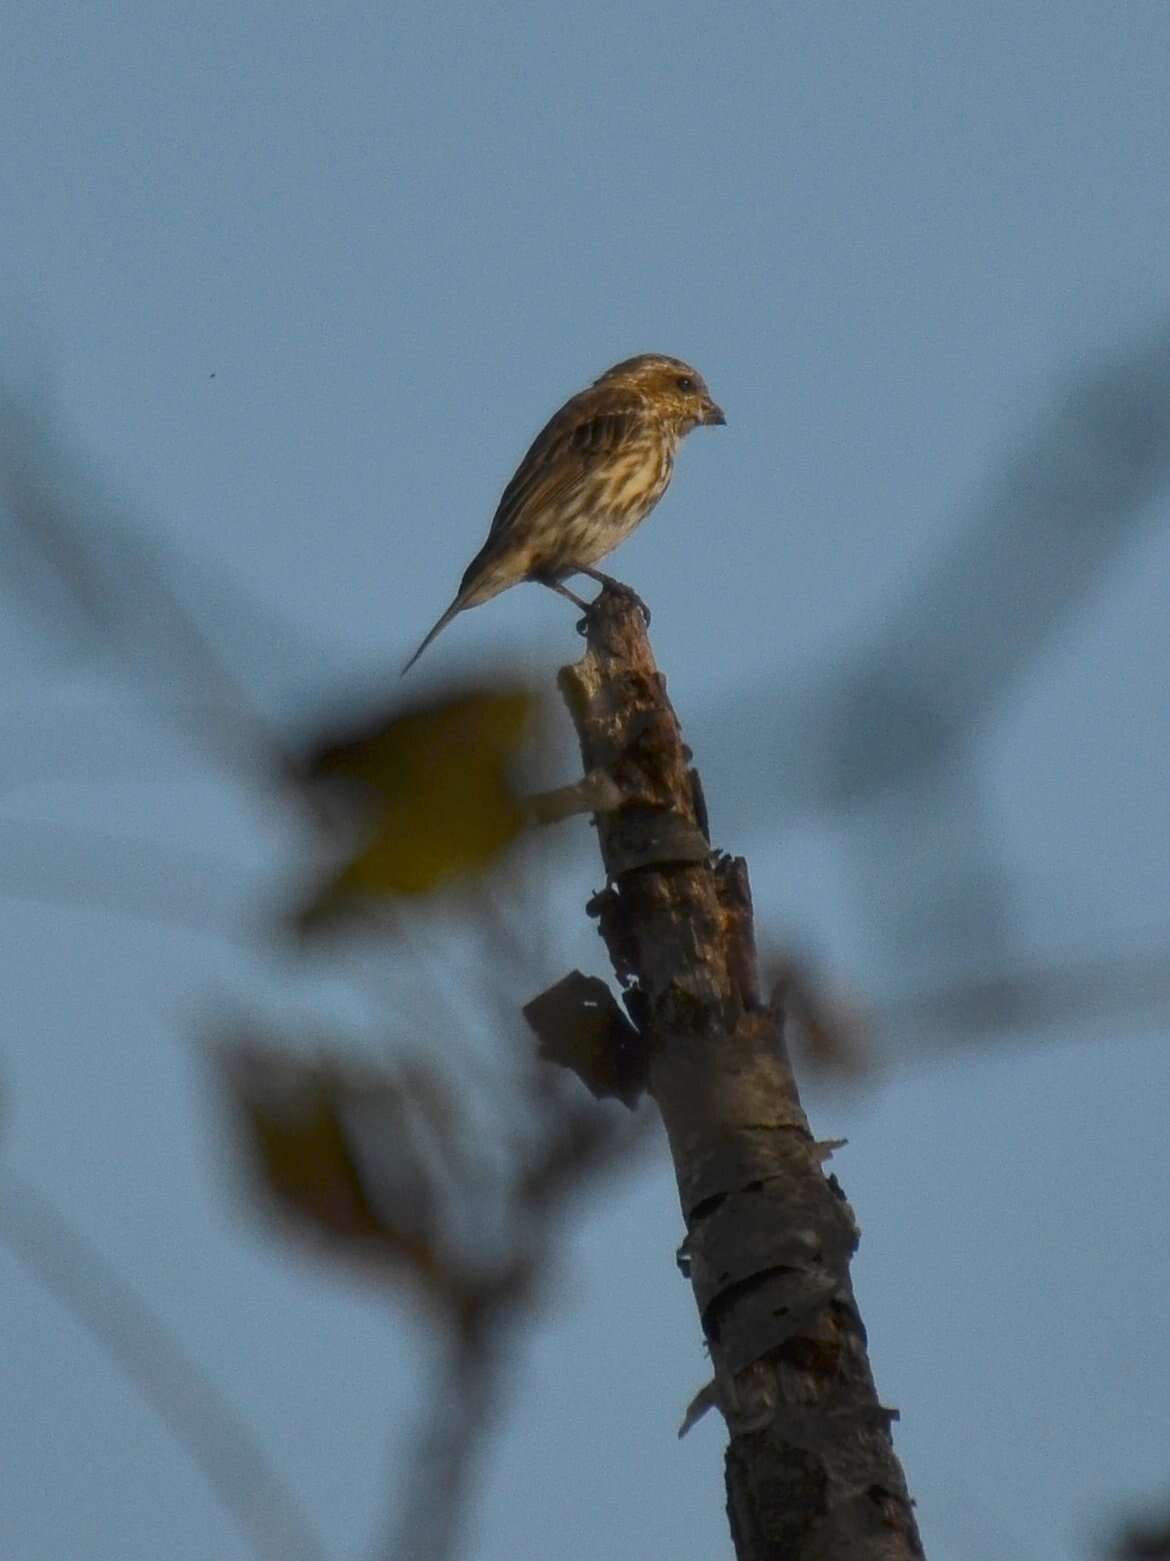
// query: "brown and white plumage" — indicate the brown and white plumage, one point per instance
point(592, 474)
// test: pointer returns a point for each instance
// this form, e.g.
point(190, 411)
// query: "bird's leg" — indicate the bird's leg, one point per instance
point(563, 590)
point(618, 587)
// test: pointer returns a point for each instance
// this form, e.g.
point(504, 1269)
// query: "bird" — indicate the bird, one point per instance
point(591, 476)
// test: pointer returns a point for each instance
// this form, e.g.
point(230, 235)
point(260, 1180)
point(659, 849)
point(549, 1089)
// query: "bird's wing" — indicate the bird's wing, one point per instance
point(585, 433)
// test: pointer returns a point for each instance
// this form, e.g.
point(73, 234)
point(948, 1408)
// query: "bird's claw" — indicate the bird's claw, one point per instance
point(631, 596)
point(621, 589)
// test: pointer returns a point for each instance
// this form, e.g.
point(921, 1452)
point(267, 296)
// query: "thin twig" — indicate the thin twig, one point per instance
point(198, 1416)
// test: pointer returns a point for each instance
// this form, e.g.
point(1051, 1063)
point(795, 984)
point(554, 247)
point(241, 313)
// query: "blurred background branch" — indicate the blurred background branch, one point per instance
point(202, 1420)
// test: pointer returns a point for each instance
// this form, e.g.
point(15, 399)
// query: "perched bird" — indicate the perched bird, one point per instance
point(594, 472)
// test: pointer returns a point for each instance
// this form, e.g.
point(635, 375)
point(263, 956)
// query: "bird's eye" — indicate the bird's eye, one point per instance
point(685, 382)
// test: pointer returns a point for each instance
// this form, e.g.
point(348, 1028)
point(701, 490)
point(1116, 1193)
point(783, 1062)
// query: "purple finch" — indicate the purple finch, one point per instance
point(593, 473)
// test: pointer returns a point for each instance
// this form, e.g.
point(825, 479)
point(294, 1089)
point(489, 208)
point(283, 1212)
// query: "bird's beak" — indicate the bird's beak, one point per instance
point(713, 415)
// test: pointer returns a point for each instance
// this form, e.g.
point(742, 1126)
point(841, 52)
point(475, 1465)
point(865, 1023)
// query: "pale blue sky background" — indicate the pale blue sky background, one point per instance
point(307, 280)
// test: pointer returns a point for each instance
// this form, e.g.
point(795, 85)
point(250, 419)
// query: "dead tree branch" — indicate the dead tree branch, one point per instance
point(811, 1472)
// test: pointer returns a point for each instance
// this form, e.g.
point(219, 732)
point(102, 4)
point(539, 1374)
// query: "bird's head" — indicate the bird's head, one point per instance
point(679, 391)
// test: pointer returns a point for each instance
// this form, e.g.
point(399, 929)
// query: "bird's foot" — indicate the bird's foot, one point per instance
point(618, 588)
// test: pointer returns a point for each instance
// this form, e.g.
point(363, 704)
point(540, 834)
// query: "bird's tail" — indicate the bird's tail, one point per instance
point(456, 606)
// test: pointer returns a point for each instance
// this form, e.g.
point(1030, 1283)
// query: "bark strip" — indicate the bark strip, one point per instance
point(811, 1471)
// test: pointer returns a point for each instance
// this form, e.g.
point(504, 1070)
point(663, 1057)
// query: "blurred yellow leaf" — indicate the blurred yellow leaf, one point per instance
point(437, 795)
point(292, 1117)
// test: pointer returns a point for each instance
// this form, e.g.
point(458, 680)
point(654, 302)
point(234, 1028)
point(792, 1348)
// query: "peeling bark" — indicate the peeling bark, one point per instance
point(811, 1472)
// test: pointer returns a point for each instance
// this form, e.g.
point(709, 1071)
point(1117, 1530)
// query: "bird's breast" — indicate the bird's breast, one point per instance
point(634, 481)
point(616, 499)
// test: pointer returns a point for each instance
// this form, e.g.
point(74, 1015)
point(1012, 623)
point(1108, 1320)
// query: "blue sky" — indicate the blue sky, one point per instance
point(303, 282)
